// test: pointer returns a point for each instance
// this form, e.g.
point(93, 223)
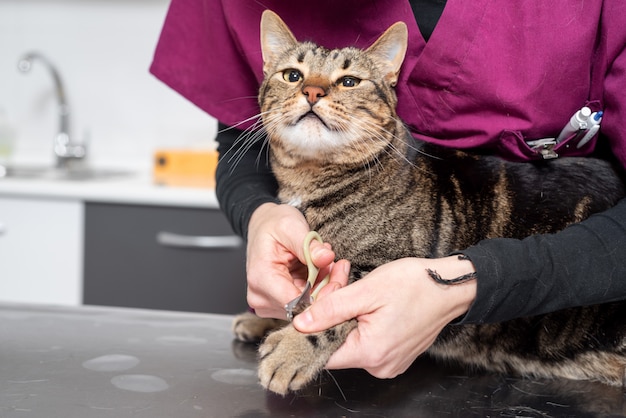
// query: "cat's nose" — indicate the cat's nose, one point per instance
point(313, 94)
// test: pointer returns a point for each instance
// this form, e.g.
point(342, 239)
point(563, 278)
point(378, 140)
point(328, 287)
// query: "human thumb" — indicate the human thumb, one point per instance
point(327, 312)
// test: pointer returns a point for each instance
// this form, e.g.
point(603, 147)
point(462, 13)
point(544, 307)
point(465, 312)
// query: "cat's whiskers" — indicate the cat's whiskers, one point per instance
point(248, 139)
point(375, 134)
point(273, 122)
point(368, 146)
point(371, 132)
point(343, 395)
point(360, 147)
point(378, 130)
point(412, 147)
point(269, 122)
point(250, 136)
point(256, 119)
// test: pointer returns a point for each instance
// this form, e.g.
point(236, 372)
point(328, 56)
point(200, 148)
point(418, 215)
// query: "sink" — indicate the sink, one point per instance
point(77, 173)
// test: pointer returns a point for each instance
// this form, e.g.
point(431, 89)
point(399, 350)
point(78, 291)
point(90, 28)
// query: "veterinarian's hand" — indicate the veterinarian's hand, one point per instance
point(275, 259)
point(400, 311)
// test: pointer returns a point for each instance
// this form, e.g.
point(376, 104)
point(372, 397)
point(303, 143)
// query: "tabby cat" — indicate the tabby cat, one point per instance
point(342, 156)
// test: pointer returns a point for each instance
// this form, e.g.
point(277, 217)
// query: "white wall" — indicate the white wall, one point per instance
point(103, 49)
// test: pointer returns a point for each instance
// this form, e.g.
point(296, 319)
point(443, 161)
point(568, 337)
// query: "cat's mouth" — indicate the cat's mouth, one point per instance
point(312, 115)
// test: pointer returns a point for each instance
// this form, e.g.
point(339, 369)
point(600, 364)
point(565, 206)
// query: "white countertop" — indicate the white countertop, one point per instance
point(133, 189)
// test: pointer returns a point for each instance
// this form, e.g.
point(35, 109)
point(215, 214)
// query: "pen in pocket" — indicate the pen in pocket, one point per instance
point(577, 123)
point(593, 125)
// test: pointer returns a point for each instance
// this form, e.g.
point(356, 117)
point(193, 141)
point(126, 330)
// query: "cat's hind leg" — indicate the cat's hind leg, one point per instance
point(251, 328)
point(289, 360)
point(605, 367)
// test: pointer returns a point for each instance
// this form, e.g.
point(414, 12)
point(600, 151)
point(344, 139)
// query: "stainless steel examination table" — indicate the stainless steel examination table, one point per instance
point(111, 362)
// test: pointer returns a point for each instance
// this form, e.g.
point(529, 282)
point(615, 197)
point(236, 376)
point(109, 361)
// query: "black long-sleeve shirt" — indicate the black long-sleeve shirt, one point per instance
point(244, 180)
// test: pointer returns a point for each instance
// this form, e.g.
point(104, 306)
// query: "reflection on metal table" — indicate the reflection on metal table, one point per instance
point(112, 362)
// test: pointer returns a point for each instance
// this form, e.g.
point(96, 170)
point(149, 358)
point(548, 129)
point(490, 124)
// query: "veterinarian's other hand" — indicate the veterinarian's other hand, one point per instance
point(400, 311)
point(275, 258)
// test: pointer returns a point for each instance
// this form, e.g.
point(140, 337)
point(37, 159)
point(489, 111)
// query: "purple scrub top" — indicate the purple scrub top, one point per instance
point(494, 74)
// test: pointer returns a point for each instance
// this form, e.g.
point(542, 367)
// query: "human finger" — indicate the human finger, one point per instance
point(336, 307)
point(338, 277)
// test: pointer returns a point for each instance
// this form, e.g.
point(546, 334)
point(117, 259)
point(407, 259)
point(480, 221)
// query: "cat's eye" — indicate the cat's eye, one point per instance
point(349, 81)
point(292, 76)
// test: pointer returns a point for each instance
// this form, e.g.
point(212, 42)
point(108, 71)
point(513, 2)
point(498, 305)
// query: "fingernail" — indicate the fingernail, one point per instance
point(318, 252)
point(346, 268)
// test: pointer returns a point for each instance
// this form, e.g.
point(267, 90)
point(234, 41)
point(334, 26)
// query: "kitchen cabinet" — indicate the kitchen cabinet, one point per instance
point(41, 243)
point(159, 257)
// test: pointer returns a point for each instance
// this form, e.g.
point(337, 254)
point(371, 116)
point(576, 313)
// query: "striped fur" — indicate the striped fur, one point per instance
point(377, 195)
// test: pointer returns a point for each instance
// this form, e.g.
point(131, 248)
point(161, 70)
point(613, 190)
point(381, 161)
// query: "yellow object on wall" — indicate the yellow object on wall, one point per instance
point(185, 168)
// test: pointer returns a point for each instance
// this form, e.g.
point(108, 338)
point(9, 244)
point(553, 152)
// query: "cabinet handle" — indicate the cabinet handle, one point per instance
point(170, 239)
point(3, 228)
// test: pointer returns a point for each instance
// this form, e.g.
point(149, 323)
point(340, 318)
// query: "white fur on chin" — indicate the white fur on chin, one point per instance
point(311, 139)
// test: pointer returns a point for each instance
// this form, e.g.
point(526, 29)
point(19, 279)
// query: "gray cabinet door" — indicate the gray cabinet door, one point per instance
point(162, 258)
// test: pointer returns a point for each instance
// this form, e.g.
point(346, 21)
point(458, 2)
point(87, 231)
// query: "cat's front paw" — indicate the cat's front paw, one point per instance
point(290, 360)
point(250, 328)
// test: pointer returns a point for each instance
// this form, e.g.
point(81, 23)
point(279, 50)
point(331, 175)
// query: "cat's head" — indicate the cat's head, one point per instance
point(320, 104)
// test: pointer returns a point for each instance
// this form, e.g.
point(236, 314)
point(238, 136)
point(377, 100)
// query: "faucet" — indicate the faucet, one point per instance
point(64, 148)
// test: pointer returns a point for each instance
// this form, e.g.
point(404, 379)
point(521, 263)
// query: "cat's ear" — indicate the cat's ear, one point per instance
point(390, 49)
point(276, 37)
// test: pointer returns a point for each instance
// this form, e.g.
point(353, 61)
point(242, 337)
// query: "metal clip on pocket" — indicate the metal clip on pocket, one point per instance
point(544, 147)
